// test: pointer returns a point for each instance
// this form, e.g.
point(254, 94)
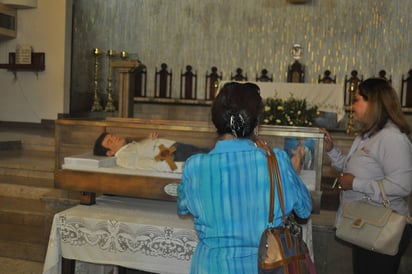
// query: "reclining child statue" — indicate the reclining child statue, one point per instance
point(152, 153)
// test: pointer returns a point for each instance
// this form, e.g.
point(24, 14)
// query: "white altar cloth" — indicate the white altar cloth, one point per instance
point(135, 233)
point(129, 232)
point(328, 97)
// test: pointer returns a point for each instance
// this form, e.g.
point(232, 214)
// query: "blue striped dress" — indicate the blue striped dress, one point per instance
point(227, 192)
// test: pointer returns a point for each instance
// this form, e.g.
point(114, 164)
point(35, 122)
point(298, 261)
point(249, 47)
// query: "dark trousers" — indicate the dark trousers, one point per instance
point(369, 262)
point(184, 151)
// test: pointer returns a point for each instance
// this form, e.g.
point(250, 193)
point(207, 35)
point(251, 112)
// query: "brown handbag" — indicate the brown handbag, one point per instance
point(282, 249)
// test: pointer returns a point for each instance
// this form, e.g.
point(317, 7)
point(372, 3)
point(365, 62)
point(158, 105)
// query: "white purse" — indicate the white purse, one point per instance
point(377, 228)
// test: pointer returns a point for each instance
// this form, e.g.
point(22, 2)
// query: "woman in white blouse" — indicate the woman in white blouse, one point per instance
point(381, 151)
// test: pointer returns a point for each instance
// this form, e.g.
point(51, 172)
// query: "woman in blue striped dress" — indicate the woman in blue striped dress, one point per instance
point(227, 189)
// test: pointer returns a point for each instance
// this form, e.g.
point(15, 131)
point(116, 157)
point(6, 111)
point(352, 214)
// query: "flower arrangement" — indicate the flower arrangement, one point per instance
point(289, 112)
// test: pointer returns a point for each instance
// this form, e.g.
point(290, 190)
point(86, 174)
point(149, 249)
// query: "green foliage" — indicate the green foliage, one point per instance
point(289, 112)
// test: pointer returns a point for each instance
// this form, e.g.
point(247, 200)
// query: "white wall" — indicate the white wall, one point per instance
point(31, 97)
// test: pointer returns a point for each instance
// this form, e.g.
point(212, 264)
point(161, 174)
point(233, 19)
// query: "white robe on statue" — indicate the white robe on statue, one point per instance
point(141, 155)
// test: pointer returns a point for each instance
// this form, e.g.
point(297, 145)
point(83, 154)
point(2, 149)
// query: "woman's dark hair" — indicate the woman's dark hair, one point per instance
point(237, 109)
point(99, 149)
point(384, 104)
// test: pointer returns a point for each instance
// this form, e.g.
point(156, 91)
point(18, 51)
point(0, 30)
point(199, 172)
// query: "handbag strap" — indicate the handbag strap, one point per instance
point(279, 186)
point(273, 168)
point(385, 201)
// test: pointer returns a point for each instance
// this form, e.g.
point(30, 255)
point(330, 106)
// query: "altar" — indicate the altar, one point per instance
point(129, 232)
point(141, 234)
point(327, 97)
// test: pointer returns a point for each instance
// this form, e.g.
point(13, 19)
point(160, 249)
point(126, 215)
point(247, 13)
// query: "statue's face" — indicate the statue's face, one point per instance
point(113, 143)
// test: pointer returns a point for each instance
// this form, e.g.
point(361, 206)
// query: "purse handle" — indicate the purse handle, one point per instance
point(273, 168)
point(385, 201)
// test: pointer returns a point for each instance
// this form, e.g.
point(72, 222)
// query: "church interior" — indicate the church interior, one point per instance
point(136, 66)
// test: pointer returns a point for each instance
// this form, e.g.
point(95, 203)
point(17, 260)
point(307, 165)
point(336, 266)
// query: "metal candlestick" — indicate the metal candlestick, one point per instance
point(349, 128)
point(124, 54)
point(96, 100)
point(215, 88)
point(110, 106)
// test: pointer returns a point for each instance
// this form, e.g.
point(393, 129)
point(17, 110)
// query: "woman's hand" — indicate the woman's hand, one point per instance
point(328, 140)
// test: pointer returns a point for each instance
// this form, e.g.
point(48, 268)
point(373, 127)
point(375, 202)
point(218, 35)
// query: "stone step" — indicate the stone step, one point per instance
point(27, 163)
point(27, 181)
point(27, 190)
point(25, 224)
point(40, 144)
point(16, 190)
point(37, 188)
point(49, 147)
point(10, 145)
point(23, 251)
point(24, 228)
point(17, 266)
point(26, 136)
point(21, 206)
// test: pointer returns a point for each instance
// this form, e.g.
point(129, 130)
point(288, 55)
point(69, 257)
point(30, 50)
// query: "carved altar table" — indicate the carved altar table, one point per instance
point(129, 232)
